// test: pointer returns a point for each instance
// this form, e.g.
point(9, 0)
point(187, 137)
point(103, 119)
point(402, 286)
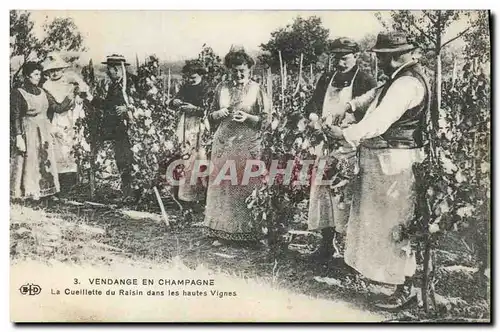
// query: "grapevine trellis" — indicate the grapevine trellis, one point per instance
point(453, 182)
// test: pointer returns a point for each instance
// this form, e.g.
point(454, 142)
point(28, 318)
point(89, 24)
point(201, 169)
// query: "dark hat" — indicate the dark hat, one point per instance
point(393, 42)
point(194, 67)
point(115, 59)
point(344, 45)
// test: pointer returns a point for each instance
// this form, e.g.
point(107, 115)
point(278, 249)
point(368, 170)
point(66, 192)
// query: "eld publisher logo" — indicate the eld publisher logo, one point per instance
point(30, 289)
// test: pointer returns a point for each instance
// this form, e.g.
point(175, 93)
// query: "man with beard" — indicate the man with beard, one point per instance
point(390, 138)
point(333, 91)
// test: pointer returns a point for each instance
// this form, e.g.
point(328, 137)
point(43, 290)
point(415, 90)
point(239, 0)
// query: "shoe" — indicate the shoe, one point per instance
point(398, 300)
point(322, 255)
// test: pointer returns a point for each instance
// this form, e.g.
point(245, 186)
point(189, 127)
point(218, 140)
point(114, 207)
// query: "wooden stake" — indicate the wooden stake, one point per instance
point(282, 83)
point(454, 75)
point(270, 87)
point(169, 82)
point(162, 207)
point(297, 89)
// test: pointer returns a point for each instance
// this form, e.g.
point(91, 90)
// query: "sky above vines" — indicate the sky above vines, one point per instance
point(178, 35)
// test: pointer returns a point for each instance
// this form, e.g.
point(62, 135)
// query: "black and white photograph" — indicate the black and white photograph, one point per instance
point(291, 166)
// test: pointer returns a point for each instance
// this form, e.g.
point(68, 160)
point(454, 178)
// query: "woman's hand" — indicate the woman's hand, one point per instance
point(20, 144)
point(222, 113)
point(240, 116)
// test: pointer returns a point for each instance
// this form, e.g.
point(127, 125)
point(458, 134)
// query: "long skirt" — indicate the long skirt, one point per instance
point(227, 215)
point(34, 173)
point(64, 136)
point(383, 200)
point(188, 132)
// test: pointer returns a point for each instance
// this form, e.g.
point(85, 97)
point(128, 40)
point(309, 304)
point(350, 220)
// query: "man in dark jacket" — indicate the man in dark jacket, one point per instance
point(334, 89)
point(115, 117)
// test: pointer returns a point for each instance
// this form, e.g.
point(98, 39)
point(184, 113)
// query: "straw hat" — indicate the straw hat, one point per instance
point(54, 61)
point(115, 59)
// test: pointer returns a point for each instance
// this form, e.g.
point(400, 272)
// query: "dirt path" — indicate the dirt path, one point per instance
point(97, 237)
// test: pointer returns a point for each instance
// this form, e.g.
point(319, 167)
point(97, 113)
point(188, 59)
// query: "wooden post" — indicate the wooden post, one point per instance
point(285, 77)
point(162, 207)
point(282, 83)
point(270, 87)
point(454, 75)
point(297, 89)
point(427, 274)
point(169, 83)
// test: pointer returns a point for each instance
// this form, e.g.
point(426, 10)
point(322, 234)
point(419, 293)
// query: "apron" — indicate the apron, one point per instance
point(189, 133)
point(63, 126)
point(325, 209)
point(34, 173)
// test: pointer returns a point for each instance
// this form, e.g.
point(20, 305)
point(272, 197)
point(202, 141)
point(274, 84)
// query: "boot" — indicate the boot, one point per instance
point(326, 250)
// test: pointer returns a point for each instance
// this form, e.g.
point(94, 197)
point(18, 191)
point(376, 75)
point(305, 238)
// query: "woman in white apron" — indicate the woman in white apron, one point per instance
point(65, 89)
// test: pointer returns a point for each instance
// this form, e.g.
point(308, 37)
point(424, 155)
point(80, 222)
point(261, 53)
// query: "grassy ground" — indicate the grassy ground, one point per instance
point(88, 235)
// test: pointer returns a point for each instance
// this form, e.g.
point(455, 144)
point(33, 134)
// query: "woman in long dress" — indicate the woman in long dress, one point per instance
point(190, 102)
point(62, 86)
point(33, 167)
point(241, 106)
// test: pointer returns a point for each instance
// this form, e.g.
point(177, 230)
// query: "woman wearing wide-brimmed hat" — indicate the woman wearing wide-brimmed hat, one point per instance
point(66, 89)
point(241, 106)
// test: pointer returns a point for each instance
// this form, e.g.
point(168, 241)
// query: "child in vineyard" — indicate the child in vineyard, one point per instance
point(391, 139)
point(333, 91)
point(189, 102)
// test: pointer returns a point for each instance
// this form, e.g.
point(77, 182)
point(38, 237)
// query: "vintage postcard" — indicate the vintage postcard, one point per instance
point(250, 166)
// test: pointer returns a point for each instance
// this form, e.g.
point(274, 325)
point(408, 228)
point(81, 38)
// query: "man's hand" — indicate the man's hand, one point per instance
point(177, 102)
point(188, 108)
point(120, 110)
point(338, 116)
point(334, 132)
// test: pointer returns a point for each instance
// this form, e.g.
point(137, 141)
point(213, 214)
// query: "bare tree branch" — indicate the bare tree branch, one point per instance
point(456, 37)
point(426, 13)
point(433, 40)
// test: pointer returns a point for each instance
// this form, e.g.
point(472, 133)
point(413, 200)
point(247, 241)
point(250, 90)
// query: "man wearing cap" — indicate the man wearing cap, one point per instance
point(67, 90)
point(390, 138)
point(333, 91)
point(115, 109)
